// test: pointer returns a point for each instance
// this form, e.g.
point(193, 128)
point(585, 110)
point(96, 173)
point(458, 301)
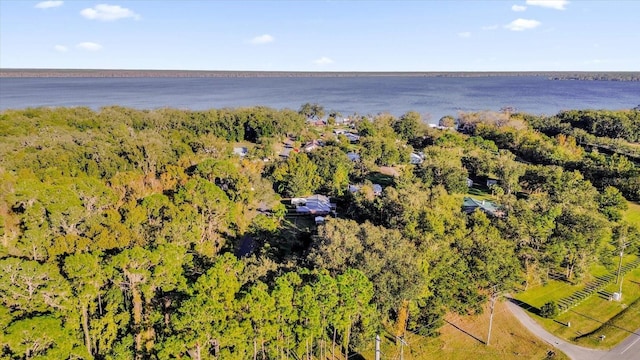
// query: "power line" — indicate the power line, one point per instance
point(430, 342)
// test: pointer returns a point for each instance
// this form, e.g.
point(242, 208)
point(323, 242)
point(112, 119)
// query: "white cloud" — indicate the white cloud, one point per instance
point(323, 61)
point(490, 27)
point(89, 46)
point(518, 8)
point(105, 12)
point(48, 4)
point(551, 4)
point(522, 24)
point(262, 39)
point(61, 48)
point(465, 34)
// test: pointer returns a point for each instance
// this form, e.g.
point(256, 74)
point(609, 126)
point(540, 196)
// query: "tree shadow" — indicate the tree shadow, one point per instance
point(466, 332)
point(532, 309)
point(559, 322)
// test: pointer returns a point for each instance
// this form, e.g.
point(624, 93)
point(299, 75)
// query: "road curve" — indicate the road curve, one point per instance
point(573, 351)
point(628, 349)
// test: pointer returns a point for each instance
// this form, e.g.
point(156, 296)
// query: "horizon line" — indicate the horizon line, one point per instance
point(70, 72)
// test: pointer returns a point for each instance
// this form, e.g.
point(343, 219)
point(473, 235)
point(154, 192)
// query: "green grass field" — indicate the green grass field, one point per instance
point(587, 318)
point(632, 214)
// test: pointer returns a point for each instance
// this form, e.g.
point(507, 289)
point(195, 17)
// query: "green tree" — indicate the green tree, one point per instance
point(491, 259)
point(135, 267)
point(257, 307)
point(383, 255)
point(87, 279)
point(207, 322)
point(447, 121)
point(549, 310)
point(508, 171)
point(211, 208)
point(354, 314)
point(333, 167)
point(312, 111)
point(40, 337)
point(611, 203)
point(579, 234)
point(298, 176)
point(408, 125)
point(28, 287)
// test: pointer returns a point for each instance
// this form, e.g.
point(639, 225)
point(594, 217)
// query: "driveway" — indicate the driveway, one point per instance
point(629, 349)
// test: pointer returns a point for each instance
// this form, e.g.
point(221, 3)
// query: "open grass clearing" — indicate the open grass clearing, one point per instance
point(615, 330)
point(480, 193)
point(588, 316)
point(463, 337)
point(632, 214)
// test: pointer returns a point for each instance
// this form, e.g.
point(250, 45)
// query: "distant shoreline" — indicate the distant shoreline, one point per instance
point(97, 73)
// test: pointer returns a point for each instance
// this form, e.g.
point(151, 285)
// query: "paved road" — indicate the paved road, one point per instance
point(629, 349)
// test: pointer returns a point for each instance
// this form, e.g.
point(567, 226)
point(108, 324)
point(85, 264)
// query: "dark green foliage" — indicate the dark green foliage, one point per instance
point(549, 310)
point(312, 111)
point(612, 124)
point(333, 167)
point(443, 167)
point(298, 176)
point(408, 125)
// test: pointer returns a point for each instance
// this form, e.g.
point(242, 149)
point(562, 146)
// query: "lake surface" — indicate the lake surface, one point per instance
point(433, 97)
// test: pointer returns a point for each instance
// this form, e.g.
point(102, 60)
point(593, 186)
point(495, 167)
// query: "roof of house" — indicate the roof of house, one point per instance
point(352, 137)
point(315, 204)
point(240, 151)
point(470, 204)
point(415, 158)
point(353, 156)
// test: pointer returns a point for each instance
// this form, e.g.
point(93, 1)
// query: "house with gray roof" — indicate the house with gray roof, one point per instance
point(470, 205)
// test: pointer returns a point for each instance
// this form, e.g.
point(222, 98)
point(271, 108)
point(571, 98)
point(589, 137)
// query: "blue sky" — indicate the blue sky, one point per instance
point(518, 35)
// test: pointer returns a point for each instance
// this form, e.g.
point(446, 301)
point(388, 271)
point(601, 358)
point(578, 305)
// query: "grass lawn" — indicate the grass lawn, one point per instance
point(463, 337)
point(554, 290)
point(480, 193)
point(380, 178)
point(588, 317)
point(615, 330)
point(632, 214)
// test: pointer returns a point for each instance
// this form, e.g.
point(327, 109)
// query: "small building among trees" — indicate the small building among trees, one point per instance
point(313, 205)
point(470, 205)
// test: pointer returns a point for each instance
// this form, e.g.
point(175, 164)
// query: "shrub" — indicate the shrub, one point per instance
point(549, 310)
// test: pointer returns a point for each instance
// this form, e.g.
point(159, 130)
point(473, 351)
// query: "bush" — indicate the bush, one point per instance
point(549, 310)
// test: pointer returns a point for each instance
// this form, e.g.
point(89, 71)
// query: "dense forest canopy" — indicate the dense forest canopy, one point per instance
point(170, 234)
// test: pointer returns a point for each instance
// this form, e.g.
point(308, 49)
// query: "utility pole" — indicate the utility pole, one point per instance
point(494, 296)
point(377, 347)
point(402, 344)
point(621, 286)
point(623, 245)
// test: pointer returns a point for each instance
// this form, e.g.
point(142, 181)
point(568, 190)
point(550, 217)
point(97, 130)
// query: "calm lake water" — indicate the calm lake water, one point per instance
point(433, 97)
